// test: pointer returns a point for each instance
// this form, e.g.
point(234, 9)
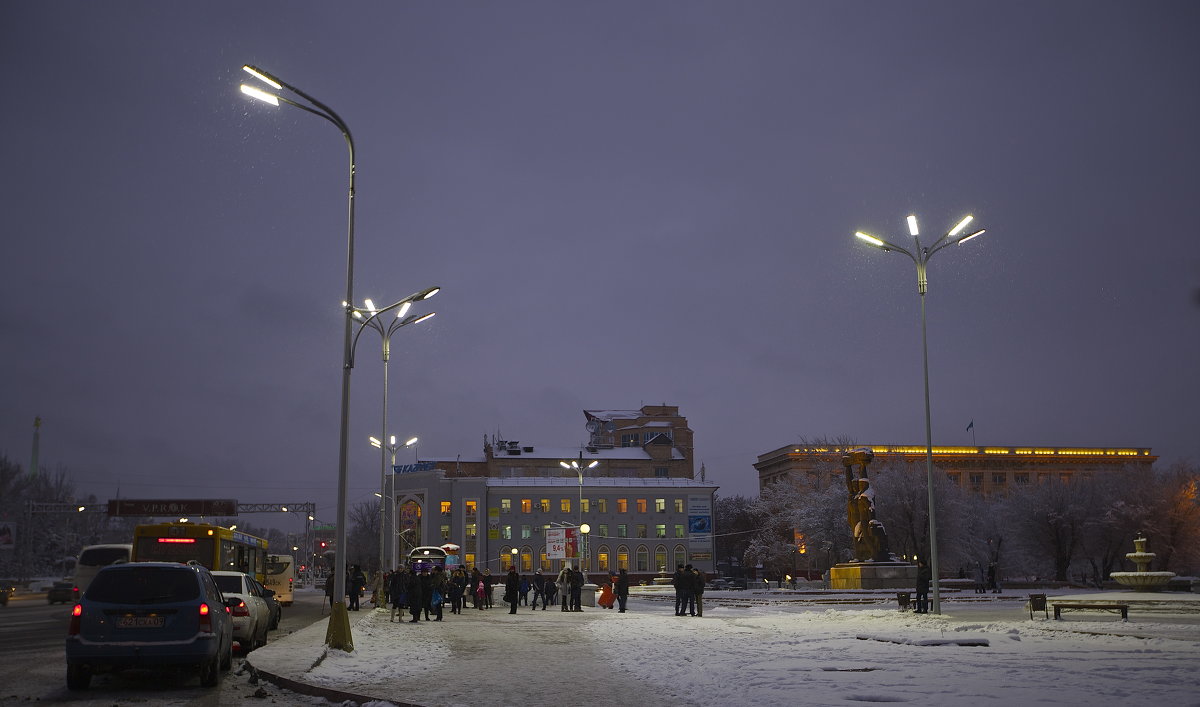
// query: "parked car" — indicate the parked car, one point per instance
point(8, 587)
point(274, 608)
point(62, 592)
point(150, 615)
point(251, 616)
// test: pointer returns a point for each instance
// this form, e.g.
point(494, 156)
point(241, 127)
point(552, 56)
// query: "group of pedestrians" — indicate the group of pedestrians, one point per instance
point(689, 591)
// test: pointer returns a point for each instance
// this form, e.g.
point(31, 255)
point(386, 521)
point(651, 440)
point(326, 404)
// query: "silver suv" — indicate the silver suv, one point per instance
point(147, 615)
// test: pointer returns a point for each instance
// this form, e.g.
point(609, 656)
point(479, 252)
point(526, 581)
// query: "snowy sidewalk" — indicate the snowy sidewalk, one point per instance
point(743, 652)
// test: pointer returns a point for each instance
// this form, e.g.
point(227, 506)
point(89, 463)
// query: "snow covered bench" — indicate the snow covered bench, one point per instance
point(1073, 606)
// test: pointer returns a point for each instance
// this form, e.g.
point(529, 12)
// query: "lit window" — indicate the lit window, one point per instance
point(525, 532)
point(506, 532)
point(585, 505)
point(445, 508)
point(526, 505)
point(602, 505)
point(641, 530)
point(471, 508)
point(602, 560)
point(505, 505)
point(679, 530)
point(641, 505)
point(660, 531)
point(564, 505)
point(679, 505)
point(660, 505)
point(622, 505)
point(545, 505)
point(469, 560)
point(603, 530)
point(445, 532)
point(622, 531)
point(471, 528)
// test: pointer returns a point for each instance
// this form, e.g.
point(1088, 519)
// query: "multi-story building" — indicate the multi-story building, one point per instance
point(632, 484)
point(980, 469)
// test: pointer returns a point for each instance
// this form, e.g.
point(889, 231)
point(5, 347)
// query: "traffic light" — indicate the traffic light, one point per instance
point(324, 544)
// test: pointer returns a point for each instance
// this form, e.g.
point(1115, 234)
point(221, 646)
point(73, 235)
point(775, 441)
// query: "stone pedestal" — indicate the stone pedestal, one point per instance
point(873, 575)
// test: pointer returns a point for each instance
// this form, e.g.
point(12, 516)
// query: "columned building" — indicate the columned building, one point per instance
point(980, 469)
point(633, 486)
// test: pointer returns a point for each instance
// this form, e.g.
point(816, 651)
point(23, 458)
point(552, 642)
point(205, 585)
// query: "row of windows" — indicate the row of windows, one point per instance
point(640, 530)
point(602, 560)
point(586, 505)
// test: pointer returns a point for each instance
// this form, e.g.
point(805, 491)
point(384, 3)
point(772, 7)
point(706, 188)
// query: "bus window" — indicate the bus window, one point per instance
point(281, 575)
point(93, 557)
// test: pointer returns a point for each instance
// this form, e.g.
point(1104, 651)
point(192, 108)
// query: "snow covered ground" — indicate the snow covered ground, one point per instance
point(760, 648)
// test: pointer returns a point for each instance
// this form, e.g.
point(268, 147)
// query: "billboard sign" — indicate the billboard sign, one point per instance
point(173, 507)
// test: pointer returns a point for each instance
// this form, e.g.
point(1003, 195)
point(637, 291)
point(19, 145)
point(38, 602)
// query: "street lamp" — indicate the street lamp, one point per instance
point(392, 447)
point(578, 467)
point(515, 552)
point(584, 529)
point(920, 255)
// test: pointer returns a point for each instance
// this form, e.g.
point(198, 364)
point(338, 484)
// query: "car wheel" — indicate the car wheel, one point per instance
point(210, 672)
point(227, 656)
point(78, 677)
point(263, 640)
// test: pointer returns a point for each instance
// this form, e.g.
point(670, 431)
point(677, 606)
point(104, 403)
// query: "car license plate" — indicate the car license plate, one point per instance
point(140, 621)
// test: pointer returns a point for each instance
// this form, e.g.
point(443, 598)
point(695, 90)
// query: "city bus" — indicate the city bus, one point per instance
point(93, 557)
point(214, 547)
point(281, 575)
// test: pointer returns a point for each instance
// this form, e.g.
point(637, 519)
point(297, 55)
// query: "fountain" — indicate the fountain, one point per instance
point(1142, 580)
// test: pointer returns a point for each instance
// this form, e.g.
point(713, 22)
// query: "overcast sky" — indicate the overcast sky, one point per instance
point(626, 203)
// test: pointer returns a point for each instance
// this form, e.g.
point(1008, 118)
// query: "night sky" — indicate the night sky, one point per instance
point(626, 203)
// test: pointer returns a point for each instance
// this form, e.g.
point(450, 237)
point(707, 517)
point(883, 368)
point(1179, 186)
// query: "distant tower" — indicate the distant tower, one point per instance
point(702, 472)
point(33, 462)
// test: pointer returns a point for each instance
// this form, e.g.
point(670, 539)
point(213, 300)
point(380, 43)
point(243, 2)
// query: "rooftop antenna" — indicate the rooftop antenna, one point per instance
point(37, 430)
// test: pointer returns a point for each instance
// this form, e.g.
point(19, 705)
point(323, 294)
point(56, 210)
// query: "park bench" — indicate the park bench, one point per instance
point(1123, 608)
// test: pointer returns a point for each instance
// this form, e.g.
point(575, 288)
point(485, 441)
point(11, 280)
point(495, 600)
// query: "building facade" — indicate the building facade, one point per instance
point(981, 469)
point(631, 484)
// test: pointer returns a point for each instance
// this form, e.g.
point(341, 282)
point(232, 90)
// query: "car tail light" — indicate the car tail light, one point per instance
point(73, 627)
point(241, 609)
point(205, 619)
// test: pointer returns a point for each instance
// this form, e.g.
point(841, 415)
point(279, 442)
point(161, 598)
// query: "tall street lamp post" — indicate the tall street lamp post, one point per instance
point(391, 447)
point(385, 332)
point(338, 634)
point(920, 255)
point(578, 467)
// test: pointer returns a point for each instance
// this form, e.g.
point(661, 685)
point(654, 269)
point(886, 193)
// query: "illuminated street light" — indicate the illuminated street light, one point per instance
point(578, 467)
point(920, 256)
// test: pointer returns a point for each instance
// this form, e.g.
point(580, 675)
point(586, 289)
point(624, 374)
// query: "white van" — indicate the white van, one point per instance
point(93, 557)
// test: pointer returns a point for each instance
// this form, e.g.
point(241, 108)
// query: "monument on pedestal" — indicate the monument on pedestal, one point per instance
point(874, 566)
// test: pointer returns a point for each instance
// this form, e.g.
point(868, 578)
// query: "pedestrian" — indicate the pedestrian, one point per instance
point(682, 581)
point(441, 590)
point(563, 585)
point(427, 590)
point(396, 590)
point(415, 593)
point(328, 593)
point(487, 586)
point(698, 581)
point(606, 596)
point(993, 583)
point(924, 577)
point(477, 588)
point(524, 590)
point(980, 579)
point(622, 589)
point(458, 585)
point(539, 589)
point(512, 589)
point(551, 593)
point(577, 581)
point(356, 581)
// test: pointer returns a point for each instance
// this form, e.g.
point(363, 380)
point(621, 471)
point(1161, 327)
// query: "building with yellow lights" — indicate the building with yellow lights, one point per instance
point(980, 469)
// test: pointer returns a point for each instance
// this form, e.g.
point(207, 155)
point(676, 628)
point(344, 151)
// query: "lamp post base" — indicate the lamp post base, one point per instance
point(338, 634)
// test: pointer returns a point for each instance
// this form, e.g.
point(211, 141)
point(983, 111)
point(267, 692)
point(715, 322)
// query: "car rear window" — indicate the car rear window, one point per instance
point(144, 585)
point(229, 584)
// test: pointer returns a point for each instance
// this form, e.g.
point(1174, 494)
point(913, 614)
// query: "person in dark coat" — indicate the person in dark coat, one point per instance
point(416, 594)
point(924, 577)
point(512, 589)
point(683, 589)
point(698, 590)
point(396, 589)
point(576, 581)
point(622, 589)
point(539, 589)
point(458, 585)
point(355, 581)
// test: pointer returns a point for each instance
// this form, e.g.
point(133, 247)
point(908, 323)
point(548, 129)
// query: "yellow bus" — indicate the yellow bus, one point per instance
point(281, 576)
point(214, 547)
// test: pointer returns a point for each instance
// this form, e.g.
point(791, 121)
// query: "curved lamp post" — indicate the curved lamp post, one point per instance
point(920, 255)
point(338, 634)
point(392, 447)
